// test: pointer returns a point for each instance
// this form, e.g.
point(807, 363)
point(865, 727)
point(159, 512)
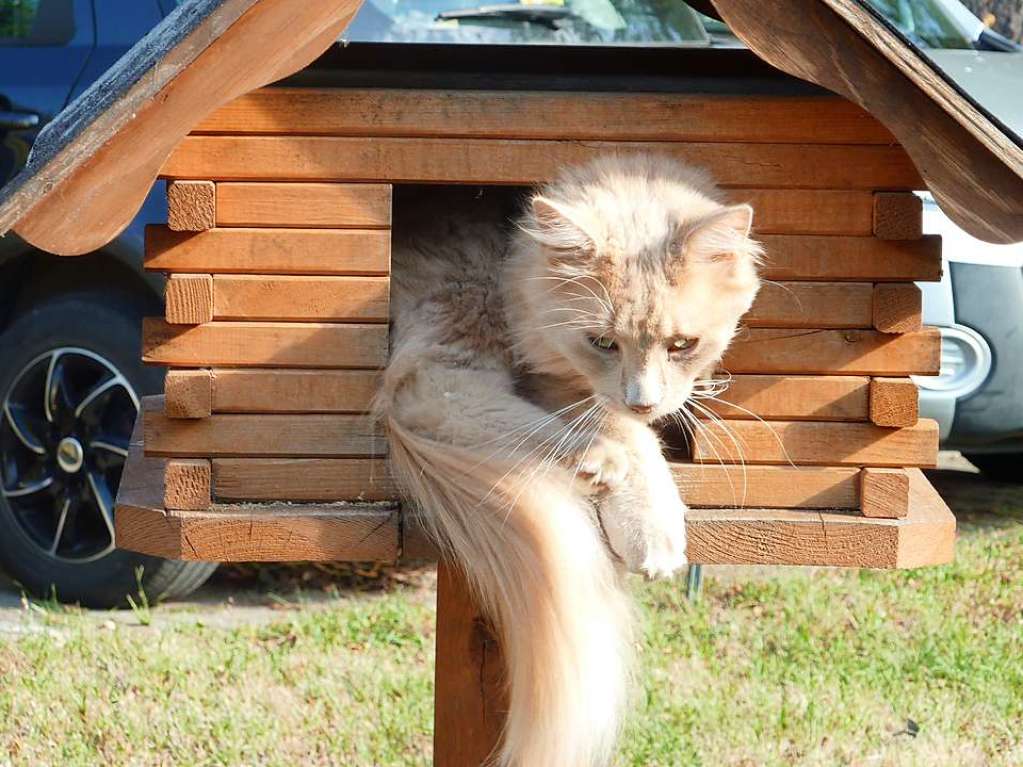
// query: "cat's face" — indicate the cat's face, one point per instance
point(642, 307)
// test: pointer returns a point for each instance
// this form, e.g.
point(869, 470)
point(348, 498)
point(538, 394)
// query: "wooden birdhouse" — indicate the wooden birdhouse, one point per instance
point(276, 250)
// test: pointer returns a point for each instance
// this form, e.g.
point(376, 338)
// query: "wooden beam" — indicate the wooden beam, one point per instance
point(302, 298)
point(482, 161)
point(894, 401)
point(525, 115)
point(263, 344)
point(849, 352)
point(816, 443)
point(302, 479)
point(812, 305)
point(358, 206)
point(865, 259)
point(191, 206)
point(270, 251)
point(294, 391)
point(898, 216)
point(188, 299)
point(898, 307)
point(339, 436)
point(187, 485)
point(188, 393)
point(723, 486)
point(884, 493)
point(808, 211)
point(470, 700)
point(793, 398)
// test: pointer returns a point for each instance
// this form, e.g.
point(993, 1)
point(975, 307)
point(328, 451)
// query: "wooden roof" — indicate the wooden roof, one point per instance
point(93, 166)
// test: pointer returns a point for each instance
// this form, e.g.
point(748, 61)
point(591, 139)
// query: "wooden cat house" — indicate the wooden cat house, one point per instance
point(276, 252)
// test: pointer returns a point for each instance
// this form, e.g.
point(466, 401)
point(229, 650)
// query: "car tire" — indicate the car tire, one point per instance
point(60, 459)
point(1001, 467)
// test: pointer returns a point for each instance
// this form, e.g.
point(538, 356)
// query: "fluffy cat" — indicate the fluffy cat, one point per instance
point(526, 369)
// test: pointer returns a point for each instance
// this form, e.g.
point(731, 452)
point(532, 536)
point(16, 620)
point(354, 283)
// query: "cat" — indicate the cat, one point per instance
point(528, 364)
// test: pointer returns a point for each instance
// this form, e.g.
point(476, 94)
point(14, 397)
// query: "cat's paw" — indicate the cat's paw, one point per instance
point(664, 550)
point(604, 464)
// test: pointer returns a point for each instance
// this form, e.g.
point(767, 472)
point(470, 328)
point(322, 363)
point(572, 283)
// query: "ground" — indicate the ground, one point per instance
point(292, 666)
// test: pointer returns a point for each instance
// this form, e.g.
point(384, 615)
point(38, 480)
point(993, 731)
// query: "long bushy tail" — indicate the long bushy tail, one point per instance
point(537, 564)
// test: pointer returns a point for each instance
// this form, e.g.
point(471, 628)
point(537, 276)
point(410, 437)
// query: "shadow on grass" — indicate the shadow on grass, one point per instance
point(978, 502)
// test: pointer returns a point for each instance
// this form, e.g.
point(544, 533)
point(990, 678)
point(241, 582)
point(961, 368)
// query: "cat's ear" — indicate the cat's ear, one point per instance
point(723, 236)
point(559, 226)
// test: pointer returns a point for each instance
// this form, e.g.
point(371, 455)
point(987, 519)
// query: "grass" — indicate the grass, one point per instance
point(768, 668)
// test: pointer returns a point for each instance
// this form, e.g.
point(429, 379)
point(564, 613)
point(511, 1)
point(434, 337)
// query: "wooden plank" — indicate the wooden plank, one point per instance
point(338, 436)
point(866, 259)
point(469, 696)
point(526, 114)
point(898, 216)
point(816, 443)
point(850, 352)
point(191, 206)
point(302, 479)
point(792, 398)
point(188, 393)
point(784, 487)
point(304, 205)
point(187, 485)
point(929, 529)
point(884, 493)
point(894, 401)
point(262, 344)
point(808, 211)
point(188, 299)
point(270, 251)
point(337, 299)
point(898, 307)
point(294, 391)
point(812, 305)
point(484, 161)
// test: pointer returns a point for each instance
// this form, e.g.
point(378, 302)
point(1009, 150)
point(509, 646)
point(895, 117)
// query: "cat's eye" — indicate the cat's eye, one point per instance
point(604, 343)
point(682, 345)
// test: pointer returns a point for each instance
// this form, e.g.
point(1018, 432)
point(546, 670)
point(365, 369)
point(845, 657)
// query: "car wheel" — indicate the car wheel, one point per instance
point(70, 381)
point(1001, 467)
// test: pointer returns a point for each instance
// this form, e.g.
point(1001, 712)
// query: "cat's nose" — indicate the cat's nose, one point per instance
point(642, 409)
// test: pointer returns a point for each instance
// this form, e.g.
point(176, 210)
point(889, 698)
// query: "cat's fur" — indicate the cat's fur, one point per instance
point(527, 446)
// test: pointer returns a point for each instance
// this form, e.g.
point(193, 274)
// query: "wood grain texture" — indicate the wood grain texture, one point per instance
point(898, 307)
point(302, 479)
point(294, 391)
point(188, 299)
point(303, 205)
point(973, 169)
point(188, 393)
point(894, 401)
point(470, 700)
point(884, 493)
point(103, 176)
point(812, 305)
point(187, 485)
point(270, 251)
point(783, 487)
point(265, 344)
point(191, 206)
point(866, 259)
point(338, 436)
point(814, 443)
point(808, 211)
point(898, 216)
point(526, 115)
point(848, 352)
point(334, 299)
point(793, 398)
point(475, 161)
point(929, 536)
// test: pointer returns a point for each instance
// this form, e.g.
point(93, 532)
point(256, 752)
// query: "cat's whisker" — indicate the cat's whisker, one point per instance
point(755, 417)
point(739, 453)
point(700, 429)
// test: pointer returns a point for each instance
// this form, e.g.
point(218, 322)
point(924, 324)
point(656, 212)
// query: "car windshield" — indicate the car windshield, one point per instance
point(557, 22)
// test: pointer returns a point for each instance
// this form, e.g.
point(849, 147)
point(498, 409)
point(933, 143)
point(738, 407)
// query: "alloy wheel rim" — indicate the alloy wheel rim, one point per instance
point(65, 425)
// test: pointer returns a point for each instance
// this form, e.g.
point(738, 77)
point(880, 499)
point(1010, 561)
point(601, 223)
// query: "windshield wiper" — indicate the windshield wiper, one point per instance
point(542, 15)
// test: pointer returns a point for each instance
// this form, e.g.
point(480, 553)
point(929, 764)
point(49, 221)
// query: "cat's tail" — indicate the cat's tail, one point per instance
point(535, 560)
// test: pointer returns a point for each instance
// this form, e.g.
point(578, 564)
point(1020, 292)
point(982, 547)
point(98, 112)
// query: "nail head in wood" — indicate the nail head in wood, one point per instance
point(894, 402)
point(898, 216)
point(188, 299)
point(191, 206)
point(898, 307)
point(189, 394)
point(188, 485)
point(884, 493)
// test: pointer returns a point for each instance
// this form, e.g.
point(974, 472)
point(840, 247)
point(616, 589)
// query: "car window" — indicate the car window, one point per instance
point(925, 22)
point(36, 22)
point(530, 22)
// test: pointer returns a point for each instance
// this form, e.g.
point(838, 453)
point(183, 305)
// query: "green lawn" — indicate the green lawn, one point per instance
point(769, 668)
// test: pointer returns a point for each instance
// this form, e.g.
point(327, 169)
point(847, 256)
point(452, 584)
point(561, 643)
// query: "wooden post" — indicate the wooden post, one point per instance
point(469, 700)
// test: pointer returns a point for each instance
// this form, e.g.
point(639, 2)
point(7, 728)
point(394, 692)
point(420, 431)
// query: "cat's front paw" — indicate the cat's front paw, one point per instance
point(664, 547)
point(604, 464)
